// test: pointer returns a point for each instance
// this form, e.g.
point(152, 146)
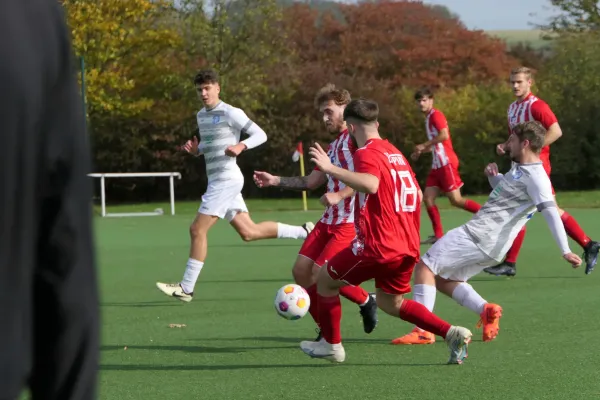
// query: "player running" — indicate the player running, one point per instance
point(444, 176)
point(528, 107)
point(221, 126)
point(335, 229)
point(464, 251)
point(386, 248)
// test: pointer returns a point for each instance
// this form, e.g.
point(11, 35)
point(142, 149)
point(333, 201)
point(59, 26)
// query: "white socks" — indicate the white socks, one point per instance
point(192, 271)
point(285, 231)
point(425, 294)
point(466, 296)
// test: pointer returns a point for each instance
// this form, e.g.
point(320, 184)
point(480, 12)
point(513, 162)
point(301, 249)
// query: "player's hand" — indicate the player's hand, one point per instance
point(320, 158)
point(191, 146)
point(491, 169)
point(501, 149)
point(420, 148)
point(415, 155)
point(573, 259)
point(330, 199)
point(235, 150)
point(265, 179)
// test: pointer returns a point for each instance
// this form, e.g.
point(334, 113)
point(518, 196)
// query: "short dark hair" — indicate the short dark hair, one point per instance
point(206, 76)
point(534, 132)
point(424, 92)
point(363, 110)
point(329, 92)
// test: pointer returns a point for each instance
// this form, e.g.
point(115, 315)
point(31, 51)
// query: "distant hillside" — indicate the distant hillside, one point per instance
point(531, 36)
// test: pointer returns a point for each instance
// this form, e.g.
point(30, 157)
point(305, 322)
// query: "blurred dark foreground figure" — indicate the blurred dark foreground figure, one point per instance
point(48, 293)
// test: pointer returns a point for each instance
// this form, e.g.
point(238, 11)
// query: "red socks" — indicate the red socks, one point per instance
point(330, 316)
point(436, 221)
point(472, 206)
point(314, 303)
point(355, 294)
point(574, 230)
point(513, 252)
point(419, 315)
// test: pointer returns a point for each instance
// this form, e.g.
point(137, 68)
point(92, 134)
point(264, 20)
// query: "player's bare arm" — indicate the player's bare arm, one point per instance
point(332, 198)
point(312, 181)
point(423, 147)
point(552, 134)
point(361, 182)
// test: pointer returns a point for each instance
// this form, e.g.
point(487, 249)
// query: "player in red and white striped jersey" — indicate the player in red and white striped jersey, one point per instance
point(444, 176)
point(528, 107)
point(335, 231)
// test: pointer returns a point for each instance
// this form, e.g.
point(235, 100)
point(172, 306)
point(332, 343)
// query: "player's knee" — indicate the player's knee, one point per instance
point(302, 273)
point(247, 235)
point(197, 232)
point(429, 201)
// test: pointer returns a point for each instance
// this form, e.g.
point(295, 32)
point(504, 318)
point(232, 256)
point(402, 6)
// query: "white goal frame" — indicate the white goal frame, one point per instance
point(103, 176)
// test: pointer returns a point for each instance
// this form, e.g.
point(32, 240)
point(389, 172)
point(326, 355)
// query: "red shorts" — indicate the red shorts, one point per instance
point(446, 178)
point(325, 241)
point(392, 278)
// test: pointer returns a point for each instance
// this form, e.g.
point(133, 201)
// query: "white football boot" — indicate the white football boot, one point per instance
point(322, 349)
point(175, 290)
point(458, 339)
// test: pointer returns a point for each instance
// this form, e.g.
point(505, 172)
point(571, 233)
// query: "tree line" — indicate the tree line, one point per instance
point(273, 55)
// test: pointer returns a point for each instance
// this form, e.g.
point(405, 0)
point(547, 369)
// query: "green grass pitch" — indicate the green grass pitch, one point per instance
point(234, 346)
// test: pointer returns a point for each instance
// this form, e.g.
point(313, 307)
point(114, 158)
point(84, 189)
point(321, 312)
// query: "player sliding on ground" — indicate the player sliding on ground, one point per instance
point(465, 251)
point(444, 176)
point(387, 241)
point(335, 230)
point(221, 126)
point(528, 107)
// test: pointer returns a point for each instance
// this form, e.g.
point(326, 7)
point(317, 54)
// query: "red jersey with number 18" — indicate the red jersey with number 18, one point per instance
point(387, 222)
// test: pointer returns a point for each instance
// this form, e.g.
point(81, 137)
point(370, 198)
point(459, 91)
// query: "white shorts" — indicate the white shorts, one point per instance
point(456, 257)
point(223, 199)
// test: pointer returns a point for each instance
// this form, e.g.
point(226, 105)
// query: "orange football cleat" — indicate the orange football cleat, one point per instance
point(417, 336)
point(490, 319)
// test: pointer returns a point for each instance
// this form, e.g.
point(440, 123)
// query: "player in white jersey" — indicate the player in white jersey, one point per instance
point(335, 230)
point(483, 241)
point(221, 126)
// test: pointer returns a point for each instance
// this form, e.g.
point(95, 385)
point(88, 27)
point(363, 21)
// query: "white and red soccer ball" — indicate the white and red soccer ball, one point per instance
point(292, 302)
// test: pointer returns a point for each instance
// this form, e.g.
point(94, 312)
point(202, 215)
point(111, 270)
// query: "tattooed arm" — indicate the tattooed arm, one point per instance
point(310, 182)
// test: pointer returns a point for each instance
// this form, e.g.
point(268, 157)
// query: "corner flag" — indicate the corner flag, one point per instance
point(299, 156)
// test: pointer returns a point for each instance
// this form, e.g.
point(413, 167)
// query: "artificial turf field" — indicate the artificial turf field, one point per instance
point(234, 346)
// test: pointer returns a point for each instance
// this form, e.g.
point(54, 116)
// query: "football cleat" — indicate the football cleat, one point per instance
point(308, 227)
point(590, 255)
point(430, 240)
point(490, 320)
point(506, 269)
point(175, 290)
point(417, 336)
point(368, 312)
point(458, 339)
point(322, 349)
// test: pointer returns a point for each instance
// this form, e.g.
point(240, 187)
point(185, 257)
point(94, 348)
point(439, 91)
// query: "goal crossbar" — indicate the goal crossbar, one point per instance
point(103, 176)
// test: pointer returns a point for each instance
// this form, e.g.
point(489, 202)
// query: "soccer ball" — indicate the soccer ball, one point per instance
point(292, 302)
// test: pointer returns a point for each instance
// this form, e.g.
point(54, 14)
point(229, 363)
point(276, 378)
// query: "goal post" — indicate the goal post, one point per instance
point(103, 176)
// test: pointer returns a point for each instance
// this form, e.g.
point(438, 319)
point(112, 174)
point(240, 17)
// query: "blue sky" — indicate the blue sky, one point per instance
point(498, 14)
